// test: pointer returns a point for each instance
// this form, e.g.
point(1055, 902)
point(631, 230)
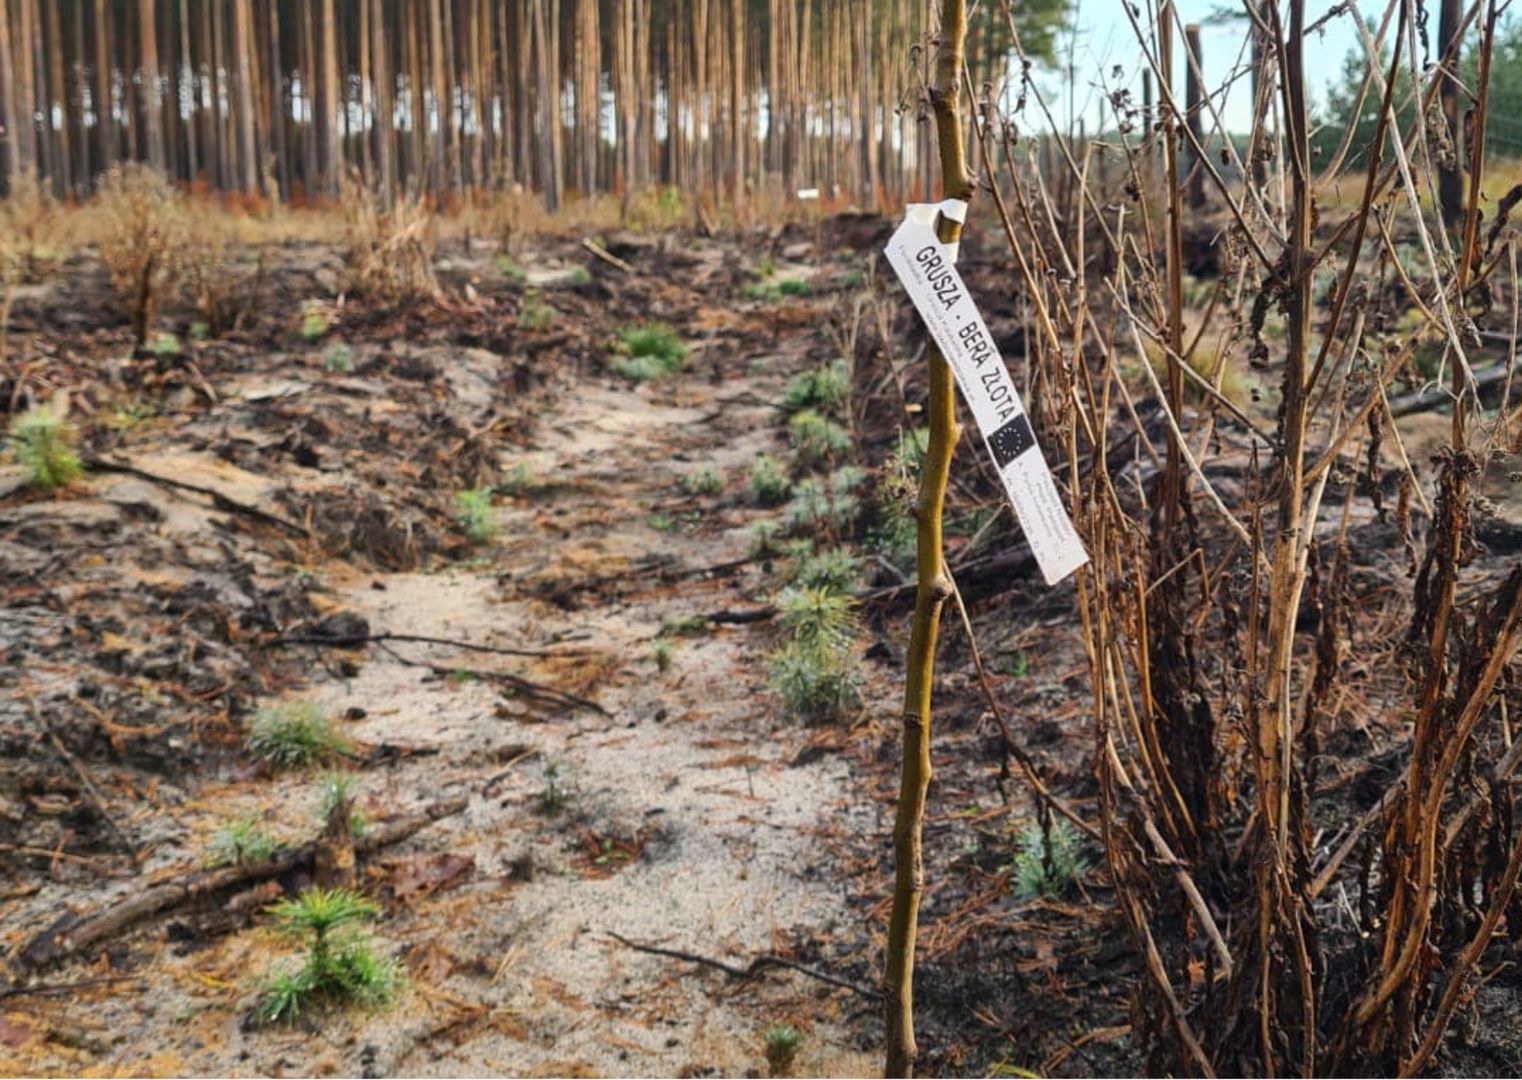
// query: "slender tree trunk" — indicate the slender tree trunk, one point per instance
point(152, 109)
point(1450, 171)
point(384, 103)
point(932, 589)
point(10, 157)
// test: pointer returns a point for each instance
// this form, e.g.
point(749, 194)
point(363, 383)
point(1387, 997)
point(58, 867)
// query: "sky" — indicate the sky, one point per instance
point(1105, 38)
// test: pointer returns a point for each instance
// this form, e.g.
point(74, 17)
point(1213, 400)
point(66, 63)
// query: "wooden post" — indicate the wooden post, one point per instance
point(1194, 100)
point(933, 588)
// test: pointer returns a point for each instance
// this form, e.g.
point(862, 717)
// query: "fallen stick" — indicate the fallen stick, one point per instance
point(219, 500)
point(605, 255)
point(346, 640)
point(751, 970)
point(72, 934)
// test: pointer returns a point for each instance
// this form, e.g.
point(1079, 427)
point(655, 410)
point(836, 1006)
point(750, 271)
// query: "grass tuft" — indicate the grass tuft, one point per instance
point(294, 736)
point(647, 352)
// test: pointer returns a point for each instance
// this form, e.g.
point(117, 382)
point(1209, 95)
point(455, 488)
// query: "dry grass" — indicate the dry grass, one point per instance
point(141, 230)
point(389, 251)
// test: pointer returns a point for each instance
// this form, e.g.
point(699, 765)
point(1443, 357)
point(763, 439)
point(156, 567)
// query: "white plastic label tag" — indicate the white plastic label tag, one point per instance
point(926, 267)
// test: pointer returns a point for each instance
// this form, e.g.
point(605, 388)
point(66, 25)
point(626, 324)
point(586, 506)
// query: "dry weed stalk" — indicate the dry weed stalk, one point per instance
point(139, 239)
point(389, 251)
point(1216, 610)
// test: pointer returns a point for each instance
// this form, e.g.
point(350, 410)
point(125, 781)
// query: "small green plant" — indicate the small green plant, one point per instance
point(519, 479)
point(1048, 862)
point(647, 352)
point(580, 276)
point(294, 735)
point(662, 522)
point(314, 323)
point(339, 359)
point(836, 570)
point(243, 841)
point(556, 795)
point(662, 650)
point(781, 1043)
point(164, 345)
point(473, 512)
point(824, 389)
point(684, 625)
point(765, 267)
point(792, 287)
point(43, 443)
point(511, 270)
point(534, 315)
point(816, 438)
point(814, 672)
point(763, 538)
point(769, 482)
point(341, 966)
point(830, 503)
point(703, 482)
point(336, 788)
point(200, 331)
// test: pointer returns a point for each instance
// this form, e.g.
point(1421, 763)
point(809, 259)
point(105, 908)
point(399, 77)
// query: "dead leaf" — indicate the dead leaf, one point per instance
point(424, 875)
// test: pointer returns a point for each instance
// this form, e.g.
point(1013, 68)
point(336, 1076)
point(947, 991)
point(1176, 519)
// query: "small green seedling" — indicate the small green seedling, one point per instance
point(314, 323)
point(662, 651)
point(243, 841)
point(295, 736)
point(781, 1043)
point(341, 966)
point(763, 538)
point(647, 352)
point(765, 267)
point(164, 345)
point(1048, 863)
point(43, 443)
point(534, 315)
point(769, 483)
point(824, 389)
point(816, 438)
point(200, 331)
point(519, 479)
point(339, 359)
point(793, 287)
point(829, 503)
point(511, 270)
point(684, 625)
point(836, 570)
point(555, 796)
point(473, 512)
point(580, 276)
point(703, 482)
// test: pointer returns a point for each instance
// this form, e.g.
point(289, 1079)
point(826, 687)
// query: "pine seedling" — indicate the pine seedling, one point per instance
point(828, 503)
point(781, 1044)
point(705, 482)
point(339, 359)
point(835, 570)
point(769, 483)
point(662, 651)
point(816, 438)
point(473, 512)
point(340, 966)
point(294, 736)
point(534, 315)
point(647, 352)
point(818, 619)
point(1048, 863)
point(43, 443)
point(824, 389)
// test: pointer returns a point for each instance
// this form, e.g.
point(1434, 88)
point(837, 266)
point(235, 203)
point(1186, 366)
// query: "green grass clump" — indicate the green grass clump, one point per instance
point(769, 482)
point(829, 504)
point(43, 443)
point(703, 482)
point(339, 359)
point(519, 479)
point(815, 437)
point(295, 735)
point(648, 352)
point(243, 841)
point(473, 512)
point(825, 389)
point(164, 345)
point(511, 270)
point(836, 569)
point(763, 538)
point(314, 323)
point(684, 625)
point(793, 287)
point(1048, 863)
point(580, 276)
point(534, 315)
point(662, 651)
point(341, 966)
point(781, 1044)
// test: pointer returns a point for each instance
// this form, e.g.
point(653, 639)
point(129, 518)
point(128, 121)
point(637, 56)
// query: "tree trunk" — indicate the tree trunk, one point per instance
point(932, 589)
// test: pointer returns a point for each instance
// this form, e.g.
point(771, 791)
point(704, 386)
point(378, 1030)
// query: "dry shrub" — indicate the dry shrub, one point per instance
point(29, 228)
point(223, 276)
point(390, 252)
point(142, 229)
